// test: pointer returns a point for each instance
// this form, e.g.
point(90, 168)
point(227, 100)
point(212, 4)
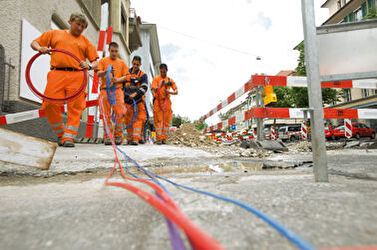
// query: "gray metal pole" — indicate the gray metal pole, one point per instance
point(315, 92)
point(259, 120)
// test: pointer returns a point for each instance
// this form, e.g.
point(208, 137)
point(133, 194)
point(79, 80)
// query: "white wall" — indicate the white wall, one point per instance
point(40, 67)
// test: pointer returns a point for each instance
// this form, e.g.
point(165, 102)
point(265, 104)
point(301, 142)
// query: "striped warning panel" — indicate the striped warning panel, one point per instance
point(234, 96)
point(34, 114)
point(301, 81)
point(296, 113)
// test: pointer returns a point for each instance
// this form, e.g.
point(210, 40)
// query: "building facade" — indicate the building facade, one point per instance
point(24, 20)
point(346, 11)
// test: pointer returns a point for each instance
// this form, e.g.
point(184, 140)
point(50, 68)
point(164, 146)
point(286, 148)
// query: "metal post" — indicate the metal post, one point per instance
point(96, 123)
point(259, 120)
point(8, 95)
point(2, 76)
point(315, 92)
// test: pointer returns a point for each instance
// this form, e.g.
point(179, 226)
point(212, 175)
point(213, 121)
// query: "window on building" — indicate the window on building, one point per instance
point(365, 92)
point(339, 3)
point(358, 14)
point(105, 17)
point(348, 96)
point(370, 4)
point(375, 91)
point(57, 23)
point(124, 23)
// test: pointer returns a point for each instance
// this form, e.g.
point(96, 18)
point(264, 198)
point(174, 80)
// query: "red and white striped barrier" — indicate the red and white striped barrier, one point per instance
point(296, 113)
point(94, 86)
point(301, 81)
point(347, 128)
point(244, 89)
point(226, 137)
point(33, 114)
point(273, 134)
point(304, 131)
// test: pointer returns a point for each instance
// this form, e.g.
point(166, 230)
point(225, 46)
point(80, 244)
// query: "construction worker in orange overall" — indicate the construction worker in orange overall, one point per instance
point(120, 69)
point(162, 87)
point(134, 90)
point(66, 77)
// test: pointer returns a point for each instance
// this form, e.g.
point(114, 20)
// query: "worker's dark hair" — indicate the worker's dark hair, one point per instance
point(163, 66)
point(137, 58)
point(113, 44)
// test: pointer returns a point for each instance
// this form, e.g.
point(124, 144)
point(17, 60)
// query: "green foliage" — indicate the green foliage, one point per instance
point(297, 97)
point(177, 120)
point(372, 13)
point(284, 97)
point(301, 68)
point(201, 125)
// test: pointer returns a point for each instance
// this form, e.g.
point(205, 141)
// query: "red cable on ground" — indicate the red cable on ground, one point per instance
point(198, 238)
point(50, 99)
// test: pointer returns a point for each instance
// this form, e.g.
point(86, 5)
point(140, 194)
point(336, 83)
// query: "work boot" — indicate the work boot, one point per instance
point(158, 142)
point(118, 140)
point(107, 141)
point(133, 142)
point(68, 144)
point(163, 141)
point(60, 142)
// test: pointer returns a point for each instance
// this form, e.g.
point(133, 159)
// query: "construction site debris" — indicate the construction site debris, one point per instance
point(188, 135)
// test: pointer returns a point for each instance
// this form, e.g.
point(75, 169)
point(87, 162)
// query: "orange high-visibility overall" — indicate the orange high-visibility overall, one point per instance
point(120, 69)
point(162, 112)
point(139, 85)
point(61, 83)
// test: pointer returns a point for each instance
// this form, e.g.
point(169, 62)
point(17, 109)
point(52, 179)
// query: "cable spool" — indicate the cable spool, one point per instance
point(51, 99)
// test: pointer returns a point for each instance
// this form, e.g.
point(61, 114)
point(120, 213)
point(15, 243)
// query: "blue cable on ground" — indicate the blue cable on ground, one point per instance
point(291, 236)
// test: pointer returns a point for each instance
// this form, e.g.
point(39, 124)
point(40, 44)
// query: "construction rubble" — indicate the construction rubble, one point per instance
point(188, 135)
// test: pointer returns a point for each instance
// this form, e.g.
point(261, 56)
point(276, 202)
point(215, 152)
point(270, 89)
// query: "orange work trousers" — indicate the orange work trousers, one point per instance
point(135, 131)
point(162, 115)
point(119, 110)
point(61, 84)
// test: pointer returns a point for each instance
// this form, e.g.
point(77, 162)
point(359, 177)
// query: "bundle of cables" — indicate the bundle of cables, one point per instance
point(110, 91)
point(164, 204)
point(49, 98)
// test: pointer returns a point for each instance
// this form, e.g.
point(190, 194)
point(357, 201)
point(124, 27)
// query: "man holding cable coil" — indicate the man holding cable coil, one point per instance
point(119, 69)
point(65, 77)
point(162, 87)
point(134, 90)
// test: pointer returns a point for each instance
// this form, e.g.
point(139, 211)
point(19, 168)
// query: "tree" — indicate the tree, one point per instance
point(284, 97)
point(200, 125)
point(177, 120)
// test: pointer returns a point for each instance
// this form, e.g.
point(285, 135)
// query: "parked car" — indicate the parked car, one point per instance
point(358, 130)
point(290, 132)
point(329, 132)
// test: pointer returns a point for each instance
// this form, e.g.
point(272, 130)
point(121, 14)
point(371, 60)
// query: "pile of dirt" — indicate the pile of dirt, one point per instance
point(188, 135)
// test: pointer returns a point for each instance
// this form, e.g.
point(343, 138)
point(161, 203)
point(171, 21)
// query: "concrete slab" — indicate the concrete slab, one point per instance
point(21, 150)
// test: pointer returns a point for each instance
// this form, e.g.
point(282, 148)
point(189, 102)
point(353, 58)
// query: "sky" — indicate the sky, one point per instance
point(211, 46)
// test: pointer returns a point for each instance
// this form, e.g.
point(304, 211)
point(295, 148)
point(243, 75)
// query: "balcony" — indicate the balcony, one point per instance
point(134, 37)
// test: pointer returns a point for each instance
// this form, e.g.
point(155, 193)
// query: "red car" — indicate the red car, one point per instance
point(358, 130)
point(329, 132)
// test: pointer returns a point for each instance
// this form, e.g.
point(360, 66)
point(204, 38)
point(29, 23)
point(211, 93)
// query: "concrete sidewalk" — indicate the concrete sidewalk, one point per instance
point(77, 211)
